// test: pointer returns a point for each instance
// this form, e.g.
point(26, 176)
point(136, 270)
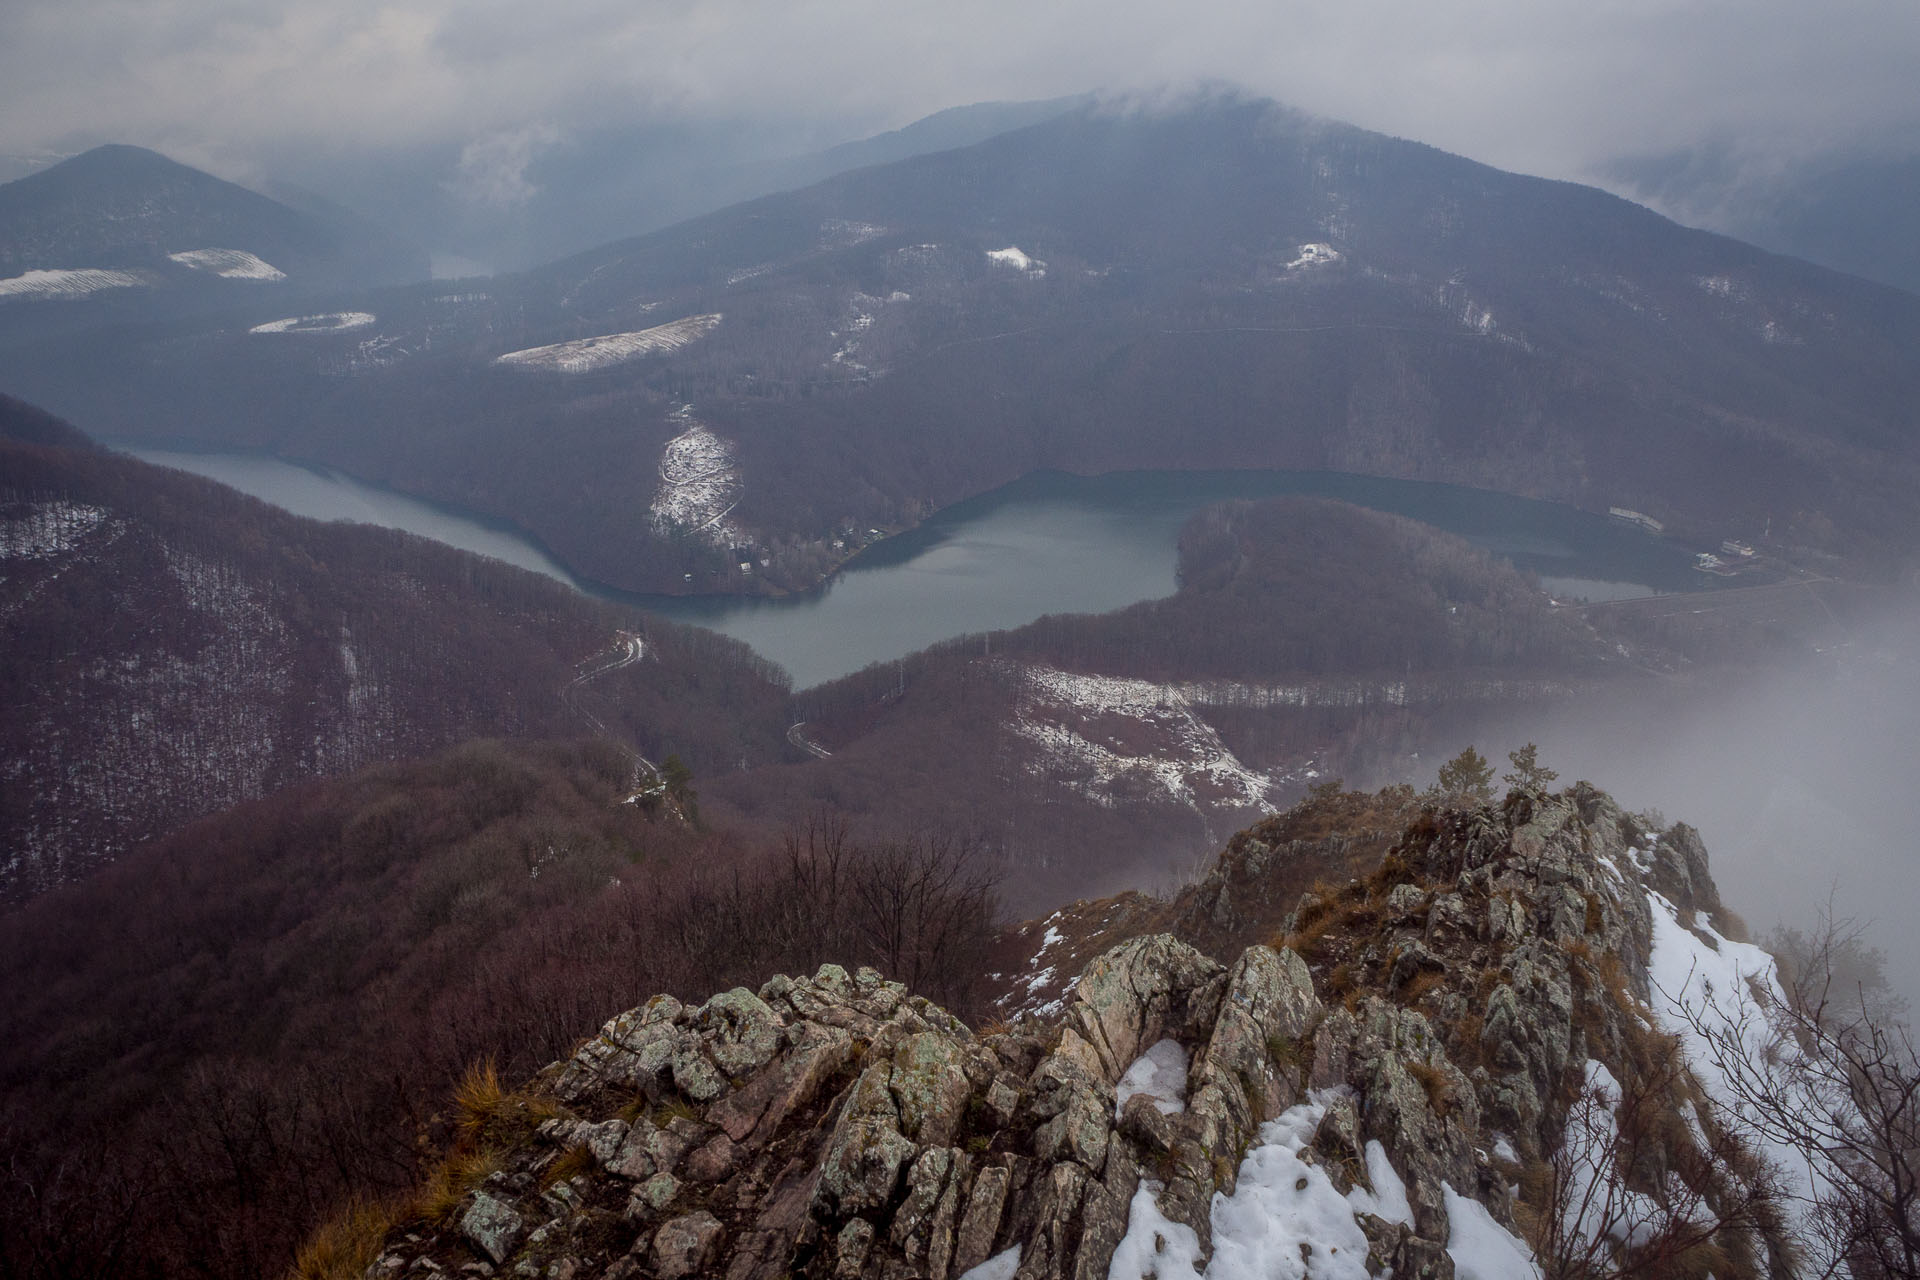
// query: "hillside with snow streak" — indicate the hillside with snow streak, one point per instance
point(584, 355)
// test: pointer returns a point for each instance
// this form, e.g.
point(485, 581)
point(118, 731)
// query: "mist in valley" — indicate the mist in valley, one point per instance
point(1801, 781)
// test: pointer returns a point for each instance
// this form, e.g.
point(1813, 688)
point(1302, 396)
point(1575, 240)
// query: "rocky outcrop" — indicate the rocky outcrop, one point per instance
point(1411, 1037)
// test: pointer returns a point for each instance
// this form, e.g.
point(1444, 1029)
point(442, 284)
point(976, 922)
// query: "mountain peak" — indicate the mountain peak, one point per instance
point(1379, 1087)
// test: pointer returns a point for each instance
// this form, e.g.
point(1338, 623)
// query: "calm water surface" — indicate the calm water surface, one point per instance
point(1049, 543)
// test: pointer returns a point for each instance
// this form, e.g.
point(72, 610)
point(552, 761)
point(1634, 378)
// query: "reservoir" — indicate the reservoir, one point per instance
point(1047, 543)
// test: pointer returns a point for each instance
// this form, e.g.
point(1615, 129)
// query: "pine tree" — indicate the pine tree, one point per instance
point(1527, 769)
point(1467, 776)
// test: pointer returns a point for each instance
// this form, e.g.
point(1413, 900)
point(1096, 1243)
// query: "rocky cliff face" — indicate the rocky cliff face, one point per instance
point(1386, 1087)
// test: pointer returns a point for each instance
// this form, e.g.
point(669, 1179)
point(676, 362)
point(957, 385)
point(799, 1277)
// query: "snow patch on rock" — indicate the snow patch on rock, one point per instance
point(1707, 988)
point(1285, 1218)
point(583, 355)
point(1480, 1247)
point(1160, 1074)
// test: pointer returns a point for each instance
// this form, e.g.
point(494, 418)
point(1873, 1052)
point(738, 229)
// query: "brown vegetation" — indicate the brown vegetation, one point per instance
point(237, 1024)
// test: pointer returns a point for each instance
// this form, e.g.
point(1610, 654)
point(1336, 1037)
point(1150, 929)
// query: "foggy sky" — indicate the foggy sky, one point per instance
point(1537, 85)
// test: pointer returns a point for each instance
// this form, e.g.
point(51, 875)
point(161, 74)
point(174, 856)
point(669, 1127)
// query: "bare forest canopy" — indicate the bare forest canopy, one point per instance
point(212, 1040)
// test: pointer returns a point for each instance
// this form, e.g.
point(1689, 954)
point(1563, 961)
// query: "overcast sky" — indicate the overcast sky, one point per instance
point(1538, 85)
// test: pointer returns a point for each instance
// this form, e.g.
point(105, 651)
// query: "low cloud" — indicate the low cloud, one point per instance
point(1551, 88)
point(493, 170)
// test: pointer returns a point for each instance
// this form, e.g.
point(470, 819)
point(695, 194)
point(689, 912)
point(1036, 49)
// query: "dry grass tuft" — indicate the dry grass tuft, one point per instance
point(1420, 986)
point(345, 1245)
point(1434, 1081)
point(568, 1165)
point(447, 1185)
point(477, 1100)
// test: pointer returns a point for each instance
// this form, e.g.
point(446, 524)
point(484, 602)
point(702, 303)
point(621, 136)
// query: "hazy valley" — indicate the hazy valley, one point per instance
point(307, 827)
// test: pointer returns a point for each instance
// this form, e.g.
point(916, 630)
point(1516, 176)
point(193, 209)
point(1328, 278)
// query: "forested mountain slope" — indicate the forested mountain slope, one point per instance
point(1225, 284)
point(173, 647)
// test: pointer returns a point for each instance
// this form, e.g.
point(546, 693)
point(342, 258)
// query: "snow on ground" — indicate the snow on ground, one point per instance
point(1480, 1247)
point(1010, 256)
point(1388, 1199)
point(699, 484)
point(583, 355)
point(1104, 731)
point(229, 264)
point(330, 322)
point(1314, 255)
point(61, 282)
point(1724, 287)
point(1285, 1219)
point(1606, 1207)
point(1001, 1266)
point(1699, 977)
point(1161, 1074)
point(840, 233)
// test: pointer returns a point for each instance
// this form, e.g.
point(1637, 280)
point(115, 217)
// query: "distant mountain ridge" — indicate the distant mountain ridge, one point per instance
point(1227, 284)
point(120, 206)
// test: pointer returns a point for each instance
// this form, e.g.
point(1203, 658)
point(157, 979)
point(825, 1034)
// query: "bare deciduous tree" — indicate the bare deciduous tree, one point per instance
point(1836, 1080)
point(1638, 1188)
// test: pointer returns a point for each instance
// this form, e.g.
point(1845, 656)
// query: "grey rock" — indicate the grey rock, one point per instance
point(851, 1247)
point(980, 1224)
point(867, 1152)
point(740, 1031)
point(492, 1226)
point(929, 1084)
point(694, 1074)
point(685, 1245)
point(713, 1161)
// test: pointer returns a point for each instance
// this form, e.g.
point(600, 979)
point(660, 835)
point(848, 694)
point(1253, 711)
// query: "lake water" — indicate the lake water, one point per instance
point(1048, 543)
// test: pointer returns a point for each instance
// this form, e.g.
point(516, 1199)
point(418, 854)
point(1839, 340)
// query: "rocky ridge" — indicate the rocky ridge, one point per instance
point(1408, 1051)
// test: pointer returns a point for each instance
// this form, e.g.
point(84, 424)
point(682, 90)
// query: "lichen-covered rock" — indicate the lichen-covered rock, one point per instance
point(865, 1157)
point(684, 1246)
point(930, 1086)
point(493, 1226)
point(740, 1032)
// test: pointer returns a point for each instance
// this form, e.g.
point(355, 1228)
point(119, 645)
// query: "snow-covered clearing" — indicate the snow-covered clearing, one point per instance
point(583, 355)
point(61, 282)
point(1019, 260)
point(1161, 1074)
point(229, 264)
point(328, 322)
point(699, 484)
point(1106, 731)
point(1284, 1221)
